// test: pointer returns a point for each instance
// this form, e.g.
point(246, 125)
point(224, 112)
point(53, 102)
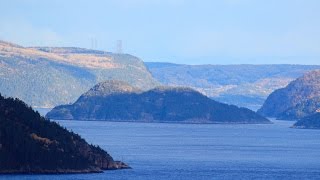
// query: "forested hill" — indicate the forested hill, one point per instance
point(49, 76)
point(118, 101)
point(31, 144)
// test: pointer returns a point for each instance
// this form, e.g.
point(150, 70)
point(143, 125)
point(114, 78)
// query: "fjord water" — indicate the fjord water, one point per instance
point(195, 151)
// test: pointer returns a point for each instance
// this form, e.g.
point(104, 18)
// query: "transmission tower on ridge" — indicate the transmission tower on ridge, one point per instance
point(119, 47)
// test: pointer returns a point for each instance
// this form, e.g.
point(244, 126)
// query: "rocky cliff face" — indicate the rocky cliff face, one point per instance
point(30, 143)
point(119, 102)
point(299, 99)
point(301, 110)
point(48, 76)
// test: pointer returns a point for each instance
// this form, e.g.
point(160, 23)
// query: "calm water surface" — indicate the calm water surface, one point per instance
point(193, 151)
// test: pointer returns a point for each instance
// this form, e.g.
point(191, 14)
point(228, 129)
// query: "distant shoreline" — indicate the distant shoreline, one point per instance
point(48, 172)
point(163, 122)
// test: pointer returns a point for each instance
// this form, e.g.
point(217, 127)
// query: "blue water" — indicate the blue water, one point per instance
point(193, 151)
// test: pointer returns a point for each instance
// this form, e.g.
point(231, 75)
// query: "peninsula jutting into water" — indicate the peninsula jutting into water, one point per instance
point(30, 143)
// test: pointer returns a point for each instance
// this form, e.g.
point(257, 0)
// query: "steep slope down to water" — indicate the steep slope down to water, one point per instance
point(299, 99)
point(31, 144)
point(119, 102)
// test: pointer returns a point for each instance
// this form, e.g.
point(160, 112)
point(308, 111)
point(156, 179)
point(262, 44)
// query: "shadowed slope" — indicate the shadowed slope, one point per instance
point(31, 144)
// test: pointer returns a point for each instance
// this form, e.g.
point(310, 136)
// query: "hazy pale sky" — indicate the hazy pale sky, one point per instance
point(179, 31)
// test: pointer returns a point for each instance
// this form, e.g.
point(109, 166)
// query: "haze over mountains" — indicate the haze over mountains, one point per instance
point(48, 76)
point(118, 101)
point(242, 85)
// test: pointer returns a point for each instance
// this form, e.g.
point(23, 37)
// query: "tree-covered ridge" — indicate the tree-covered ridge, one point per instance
point(111, 87)
point(48, 76)
point(30, 143)
point(162, 104)
point(297, 100)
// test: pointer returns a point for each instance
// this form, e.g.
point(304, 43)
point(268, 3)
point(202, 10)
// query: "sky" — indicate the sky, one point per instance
point(177, 31)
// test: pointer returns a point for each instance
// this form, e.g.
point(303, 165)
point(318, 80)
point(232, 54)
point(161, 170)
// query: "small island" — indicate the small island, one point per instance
point(118, 101)
point(309, 122)
point(30, 143)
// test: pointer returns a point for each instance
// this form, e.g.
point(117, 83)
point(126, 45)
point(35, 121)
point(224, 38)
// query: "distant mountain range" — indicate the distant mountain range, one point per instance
point(299, 99)
point(30, 143)
point(49, 76)
point(242, 85)
point(118, 101)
